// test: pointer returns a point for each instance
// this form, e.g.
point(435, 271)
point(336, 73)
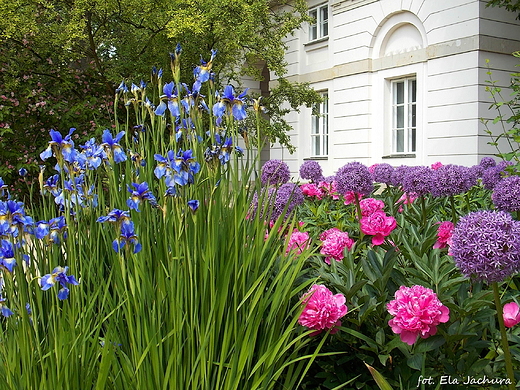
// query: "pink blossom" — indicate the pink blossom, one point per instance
point(444, 235)
point(511, 314)
point(329, 189)
point(322, 309)
point(407, 198)
point(311, 189)
point(299, 241)
point(350, 197)
point(370, 206)
point(417, 311)
point(334, 243)
point(379, 225)
point(436, 165)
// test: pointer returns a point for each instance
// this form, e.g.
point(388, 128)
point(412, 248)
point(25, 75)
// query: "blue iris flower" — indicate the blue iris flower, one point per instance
point(51, 185)
point(172, 101)
point(13, 214)
point(193, 204)
point(203, 71)
point(140, 193)
point(116, 216)
point(237, 103)
point(61, 146)
point(51, 230)
point(3, 187)
point(112, 147)
point(93, 153)
point(58, 275)
point(122, 88)
point(7, 259)
point(6, 312)
point(127, 236)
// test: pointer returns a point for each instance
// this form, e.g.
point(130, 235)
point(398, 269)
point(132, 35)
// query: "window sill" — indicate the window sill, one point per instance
point(316, 158)
point(402, 155)
point(316, 44)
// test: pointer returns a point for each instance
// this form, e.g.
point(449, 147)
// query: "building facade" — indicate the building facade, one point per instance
point(404, 81)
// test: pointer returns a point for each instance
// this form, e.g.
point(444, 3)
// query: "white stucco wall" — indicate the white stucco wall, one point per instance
point(444, 42)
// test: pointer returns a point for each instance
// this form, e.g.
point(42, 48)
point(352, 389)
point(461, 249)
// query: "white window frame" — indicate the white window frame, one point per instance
point(320, 28)
point(320, 128)
point(404, 115)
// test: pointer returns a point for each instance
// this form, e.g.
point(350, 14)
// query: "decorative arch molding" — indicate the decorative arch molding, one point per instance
point(399, 32)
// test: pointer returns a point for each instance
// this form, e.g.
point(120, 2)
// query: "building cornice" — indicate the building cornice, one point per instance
point(481, 43)
point(338, 6)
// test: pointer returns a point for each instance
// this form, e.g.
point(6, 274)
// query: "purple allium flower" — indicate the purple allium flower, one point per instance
point(487, 162)
point(486, 245)
point(275, 172)
point(493, 175)
point(383, 173)
point(311, 170)
point(418, 179)
point(355, 177)
point(506, 194)
point(398, 175)
point(477, 171)
point(290, 195)
point(266, 197)
point(450, 180)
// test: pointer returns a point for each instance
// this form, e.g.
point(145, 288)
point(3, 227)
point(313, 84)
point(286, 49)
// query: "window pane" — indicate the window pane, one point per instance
point(316, 146)
point(412, 91)
point(313, 32)
point(324, 29)
point(324, 14)
point(399, 141)
point(324, 21)
point(399, 93)
point(412, 115)
point(400, 117)
point(413, 140)
point(315, 124)
point(325, 145)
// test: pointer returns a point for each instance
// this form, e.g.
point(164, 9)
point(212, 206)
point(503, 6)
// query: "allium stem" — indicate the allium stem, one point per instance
point(505, 343)
point(423, 210)
point(453, 210)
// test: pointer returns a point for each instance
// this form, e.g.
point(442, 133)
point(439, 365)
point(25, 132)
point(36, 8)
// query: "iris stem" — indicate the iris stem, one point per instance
point(505, 343)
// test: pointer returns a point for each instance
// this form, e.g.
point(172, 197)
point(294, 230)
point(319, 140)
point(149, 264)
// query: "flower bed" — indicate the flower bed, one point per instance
point(164, 256)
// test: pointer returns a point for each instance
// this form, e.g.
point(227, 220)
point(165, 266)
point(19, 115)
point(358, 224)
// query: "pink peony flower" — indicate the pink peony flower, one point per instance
point(299, 241)
point(511, 314)
point(407, 198)
point(329, 189)
point(322, 309)
point(311, 189)
point(444, 235)
point(417, 311)
point(350, 197)
point(436, 165)
point(379, 225)
point(370, 206)
point(334, 243)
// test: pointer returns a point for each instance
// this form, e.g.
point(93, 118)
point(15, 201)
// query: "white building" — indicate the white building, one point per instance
point(405, 81)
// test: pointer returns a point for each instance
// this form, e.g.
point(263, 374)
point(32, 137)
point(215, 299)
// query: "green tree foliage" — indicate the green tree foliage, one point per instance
point(510, 5)
point(62, 59)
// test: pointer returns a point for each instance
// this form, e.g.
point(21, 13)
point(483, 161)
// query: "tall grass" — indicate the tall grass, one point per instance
point(208, 302)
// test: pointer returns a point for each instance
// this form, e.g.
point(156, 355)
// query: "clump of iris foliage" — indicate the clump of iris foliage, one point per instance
point(141, 267)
